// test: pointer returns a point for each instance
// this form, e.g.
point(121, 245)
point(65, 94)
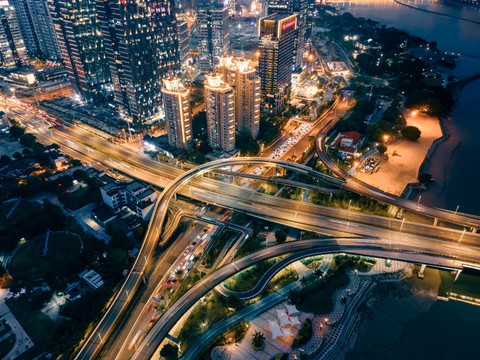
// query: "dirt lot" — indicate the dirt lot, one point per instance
point(402, 168)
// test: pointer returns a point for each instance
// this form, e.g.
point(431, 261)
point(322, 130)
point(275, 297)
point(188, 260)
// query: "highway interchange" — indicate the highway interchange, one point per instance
point(400, 239)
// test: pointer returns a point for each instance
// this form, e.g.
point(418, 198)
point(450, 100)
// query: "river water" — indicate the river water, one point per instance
point(458, 36)
point(446, 330)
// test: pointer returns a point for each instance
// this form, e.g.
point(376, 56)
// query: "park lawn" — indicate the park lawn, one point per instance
point(319, 300)
point(37, 325)
point(24, 207)
point(217, 247)
point(285, 277)
point(80, 198)
point(29, 263)
point(312, 262)
point(6, 345)
point(248, 278)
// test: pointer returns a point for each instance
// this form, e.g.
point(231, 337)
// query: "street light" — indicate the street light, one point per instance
point(385, 137)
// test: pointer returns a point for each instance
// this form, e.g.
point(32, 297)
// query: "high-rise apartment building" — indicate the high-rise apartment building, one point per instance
point(220, 103)
point(25, 23)
point(183, 40)
point(139, 53)
point(176, 104)
point(12, 47)
point(300, 8)
point(164, 23)
point(43, 28)
point(243, 77)
point(213, 34)
point(81, 46)
point(277, 34)
point(131, 56)
point(37, 29)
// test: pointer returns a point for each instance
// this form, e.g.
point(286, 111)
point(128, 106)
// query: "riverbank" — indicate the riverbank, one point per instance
point(404, 157)
point(402, 320)
point(391, 307)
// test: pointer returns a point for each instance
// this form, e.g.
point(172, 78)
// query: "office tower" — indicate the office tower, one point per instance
point(141, 48)
point(130, 55)
point(213, 35)
point(164, 23)
point(183, 40)
point(43, 29)
point(37, 29)
point(81, 46)
point(25, 23)
point(310, 16)
point(300, 8)
point(12, 47)
point(220, 102)
point(176, 104)
point(277, 42)
point(242, 76)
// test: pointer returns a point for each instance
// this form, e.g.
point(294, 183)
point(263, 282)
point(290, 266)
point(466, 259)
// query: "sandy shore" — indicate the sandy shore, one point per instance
point(404, 158)
point(439, 164)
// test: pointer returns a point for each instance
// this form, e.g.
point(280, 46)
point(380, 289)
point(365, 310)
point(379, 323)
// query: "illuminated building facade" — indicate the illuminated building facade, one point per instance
point(220, 102)
point(213, 34)
point(277, 34)
point(12, 47)
point(135, 60)
point(176, 104)
point(300, 8)
point(183, 40)
point(81, 47)
point(37, 29)
point(243, 77)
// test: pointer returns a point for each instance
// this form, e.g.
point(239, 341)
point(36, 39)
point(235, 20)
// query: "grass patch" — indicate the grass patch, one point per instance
point(192, 278)
point(317, 296)
point(312, 262)
point(36, 324)
point(235, 334)
point(80, 198)
point(218, 244)
point(304, 334)
point(360, 263)
point(30, 264)
point(285, 277)
point(6, 345)
point(205, 314)
point(248, 278)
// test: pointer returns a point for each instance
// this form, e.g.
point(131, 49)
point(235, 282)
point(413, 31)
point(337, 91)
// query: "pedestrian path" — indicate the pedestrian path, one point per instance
point(22, 340)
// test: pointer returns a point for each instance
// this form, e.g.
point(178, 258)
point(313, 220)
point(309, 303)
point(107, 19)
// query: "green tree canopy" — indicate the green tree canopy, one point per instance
point(411, 133)
point(28, 140)
point(280, 236)
point(16, 131)
point(169, 352)
point(382, 149)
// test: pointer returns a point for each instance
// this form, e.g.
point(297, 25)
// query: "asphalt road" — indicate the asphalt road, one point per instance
point(360, 187)
point(315, 247)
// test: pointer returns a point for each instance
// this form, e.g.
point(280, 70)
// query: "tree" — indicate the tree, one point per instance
point(169, 352)
point(382, 149)
point(411, 133)
point(258, 340)
point(280, 236)
point(318, 272)
point(16, 131)
point(5, 160)
point(28, 140)
point(425, 178)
